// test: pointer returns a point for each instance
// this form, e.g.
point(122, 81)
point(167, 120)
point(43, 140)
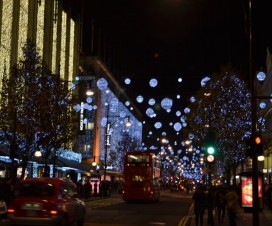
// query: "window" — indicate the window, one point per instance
point(138, 158)
point(138, 178)
point(37, 189)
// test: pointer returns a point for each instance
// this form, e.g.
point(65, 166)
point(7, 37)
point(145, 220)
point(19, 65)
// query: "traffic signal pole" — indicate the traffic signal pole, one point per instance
point(210, 152)
point(255, 211)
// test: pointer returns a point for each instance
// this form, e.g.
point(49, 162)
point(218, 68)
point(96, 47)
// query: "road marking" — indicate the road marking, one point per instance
point(157, 223)
point(185, 221)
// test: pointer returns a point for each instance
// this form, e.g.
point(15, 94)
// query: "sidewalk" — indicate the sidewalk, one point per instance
point(243, 218)
point(93, 198)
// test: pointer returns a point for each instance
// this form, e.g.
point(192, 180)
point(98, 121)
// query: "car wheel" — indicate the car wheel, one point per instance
point(80, 222)
point(64, 221)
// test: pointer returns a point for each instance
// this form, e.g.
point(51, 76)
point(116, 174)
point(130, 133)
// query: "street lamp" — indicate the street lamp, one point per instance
point(38, 153)
point(89, 92)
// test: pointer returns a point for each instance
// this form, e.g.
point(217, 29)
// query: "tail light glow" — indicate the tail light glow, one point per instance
point(53, 212)
point(11, 210)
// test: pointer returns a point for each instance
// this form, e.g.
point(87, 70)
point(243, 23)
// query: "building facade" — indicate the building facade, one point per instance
point(55, 27)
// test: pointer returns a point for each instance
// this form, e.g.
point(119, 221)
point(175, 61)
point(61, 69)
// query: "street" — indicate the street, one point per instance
point(114, 211)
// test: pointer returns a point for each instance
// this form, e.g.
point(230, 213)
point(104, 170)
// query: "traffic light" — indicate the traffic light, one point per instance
point(210, 158)
point(258, 143)
point(210, 150)
point(210, 147)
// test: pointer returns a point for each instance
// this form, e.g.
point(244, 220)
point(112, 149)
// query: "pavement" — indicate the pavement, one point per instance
point(244, 218)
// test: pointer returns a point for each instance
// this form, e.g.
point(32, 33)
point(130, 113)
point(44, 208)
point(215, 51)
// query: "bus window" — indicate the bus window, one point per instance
point(138, 178)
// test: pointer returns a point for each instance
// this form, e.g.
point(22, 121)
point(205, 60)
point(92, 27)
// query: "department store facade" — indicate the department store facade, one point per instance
point(57, 32)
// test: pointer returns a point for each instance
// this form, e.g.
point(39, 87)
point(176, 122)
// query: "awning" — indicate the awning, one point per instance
point(60, 162)
point(4, 154)
point(70, 164)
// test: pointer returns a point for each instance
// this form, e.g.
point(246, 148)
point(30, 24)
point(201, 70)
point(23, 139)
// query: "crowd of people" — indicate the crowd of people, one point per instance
point(218, 201)
point(6, 195)
point(102, 188)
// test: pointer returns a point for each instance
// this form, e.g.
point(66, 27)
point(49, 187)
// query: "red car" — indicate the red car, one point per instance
point(46, 201)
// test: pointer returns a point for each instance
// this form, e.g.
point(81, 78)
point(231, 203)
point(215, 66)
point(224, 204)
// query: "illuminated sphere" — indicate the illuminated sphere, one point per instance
point(158, 125)
point(139, 99)
point(261, 76)
point(262, 105)
point(177, 126)
point(89, 100)
point(166, 103)
point(151, 101)
point(153, 82)
point(187, 110)
point(127, 81)
point(192, 99)
point(149, 112)
point(191, 136)
point(102, 83)
point(204, 81)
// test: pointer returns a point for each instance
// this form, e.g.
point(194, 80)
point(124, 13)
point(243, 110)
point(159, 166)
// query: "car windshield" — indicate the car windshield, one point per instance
point(36, 189)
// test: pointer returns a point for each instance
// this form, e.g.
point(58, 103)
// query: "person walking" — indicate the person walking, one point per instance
point(95, 189)
point(232, 204)
point(3, 209)
point(87, 189)
point(199, 204)
point(80, 189)
point(221, 203)
point(210, 203)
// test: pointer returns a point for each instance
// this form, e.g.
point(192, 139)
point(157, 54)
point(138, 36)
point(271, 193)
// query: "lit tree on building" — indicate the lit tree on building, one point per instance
point(36, 109)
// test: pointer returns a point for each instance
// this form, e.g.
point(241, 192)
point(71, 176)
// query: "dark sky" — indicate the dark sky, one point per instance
point(168, 39)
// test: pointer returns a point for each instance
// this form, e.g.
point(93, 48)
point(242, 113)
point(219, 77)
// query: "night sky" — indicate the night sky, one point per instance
point(168, 39)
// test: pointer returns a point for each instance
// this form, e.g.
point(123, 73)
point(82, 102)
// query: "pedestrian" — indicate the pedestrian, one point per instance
point(199, 204)
point(210, 203)
point(3, 209)
point(5, 190)
point(220, 203)
point(80, 189)
point(87, 189)
point(232, 204)
point(91, 189)
point(267, 194)
point(95, 189)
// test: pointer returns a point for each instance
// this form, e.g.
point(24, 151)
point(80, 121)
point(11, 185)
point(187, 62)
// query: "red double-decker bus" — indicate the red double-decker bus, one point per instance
point(141, 176)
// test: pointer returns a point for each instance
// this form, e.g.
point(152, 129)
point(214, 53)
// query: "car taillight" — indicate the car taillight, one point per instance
point(11, 210)
point(53, 212)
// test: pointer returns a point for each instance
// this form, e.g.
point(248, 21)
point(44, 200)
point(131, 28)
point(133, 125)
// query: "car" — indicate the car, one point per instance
point(174, 187)
point(46, 201)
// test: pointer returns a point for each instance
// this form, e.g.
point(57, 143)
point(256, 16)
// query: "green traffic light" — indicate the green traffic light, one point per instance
point(211, 150)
